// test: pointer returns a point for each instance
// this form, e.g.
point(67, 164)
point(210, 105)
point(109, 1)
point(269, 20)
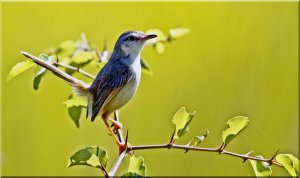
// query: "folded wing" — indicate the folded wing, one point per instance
point(107, 84)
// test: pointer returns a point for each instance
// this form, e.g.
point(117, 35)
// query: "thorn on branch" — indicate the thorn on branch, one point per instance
point(187, 146)
point(221, 148)
point(126, 139)
point(246, 156)
point(186, 150)
point(126, 147)
point(272, 158)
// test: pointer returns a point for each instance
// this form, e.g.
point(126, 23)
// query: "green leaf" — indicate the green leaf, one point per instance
point(145, 66)
point(181, 120)
point(66, 48)
point(289, 162)
point(76, 101)
point(100, 153)
point(236, 125)
point(136, 168)
point(179, 32)
point(40, 71)
point(198, 139)
point(74, 113)
point(261, 168)
point(83, 57)
point(75, 104)
point(19, 68)
point(159, 47)
point(90, 156)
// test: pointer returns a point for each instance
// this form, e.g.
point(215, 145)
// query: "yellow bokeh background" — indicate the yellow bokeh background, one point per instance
point(239, 59)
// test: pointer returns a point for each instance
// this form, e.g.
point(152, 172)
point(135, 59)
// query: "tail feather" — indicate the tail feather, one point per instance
point(90, 100)
point(81, 89)
point(84, 90)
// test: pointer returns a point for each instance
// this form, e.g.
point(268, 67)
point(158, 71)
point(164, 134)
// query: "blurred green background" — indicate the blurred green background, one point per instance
point(239, 59)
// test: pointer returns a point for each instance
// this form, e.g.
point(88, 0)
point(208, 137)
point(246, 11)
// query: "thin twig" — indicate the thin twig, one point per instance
point(186, 147)
point(104, 169)
point(117, 164)
point(172, 140)
point(79, 70)
point(58, 72)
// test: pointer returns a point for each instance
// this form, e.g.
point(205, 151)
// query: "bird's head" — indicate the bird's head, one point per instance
point(132, 42)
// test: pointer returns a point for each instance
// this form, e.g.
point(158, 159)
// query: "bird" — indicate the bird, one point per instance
point(118, 80)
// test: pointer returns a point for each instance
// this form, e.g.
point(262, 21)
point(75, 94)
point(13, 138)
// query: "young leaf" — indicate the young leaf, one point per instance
point(74, 113)
point(136, 168)
point(198, 139)
point(236, 125)
point(181, 120)
point(289, 162)
point(83, 57)
point(90, 156)
point(76, 101)
point(179, 32)
point(261, 168)
point(66, 48)
point(40, 71)
point(100, 153)
point(19, 68)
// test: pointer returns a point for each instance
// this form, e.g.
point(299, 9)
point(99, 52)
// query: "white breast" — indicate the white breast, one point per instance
point(127, 92)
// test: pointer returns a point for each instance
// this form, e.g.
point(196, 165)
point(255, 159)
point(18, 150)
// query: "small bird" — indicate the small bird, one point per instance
point(118, 80)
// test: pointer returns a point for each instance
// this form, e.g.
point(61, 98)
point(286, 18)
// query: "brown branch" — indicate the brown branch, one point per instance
point(117, 164)
point(217, 150)
point(56, 71)
point(103, 169)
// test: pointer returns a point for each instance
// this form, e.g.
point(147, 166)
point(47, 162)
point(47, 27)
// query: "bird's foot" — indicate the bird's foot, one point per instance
point(116, 124)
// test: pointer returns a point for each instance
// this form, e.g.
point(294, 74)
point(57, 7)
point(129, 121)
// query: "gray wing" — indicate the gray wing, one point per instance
point(108, 82)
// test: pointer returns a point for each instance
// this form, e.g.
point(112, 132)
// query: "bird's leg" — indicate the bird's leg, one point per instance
point(113, 134)
point(116, 124)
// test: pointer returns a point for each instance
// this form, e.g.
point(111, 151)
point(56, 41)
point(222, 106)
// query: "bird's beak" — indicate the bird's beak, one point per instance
point(148, 37)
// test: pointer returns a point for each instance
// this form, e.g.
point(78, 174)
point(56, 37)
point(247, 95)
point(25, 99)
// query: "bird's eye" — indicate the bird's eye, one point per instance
point(131, 38)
